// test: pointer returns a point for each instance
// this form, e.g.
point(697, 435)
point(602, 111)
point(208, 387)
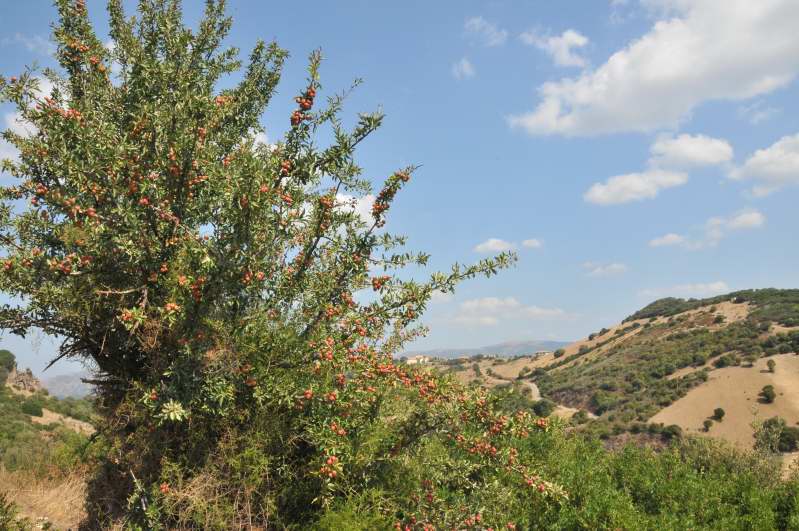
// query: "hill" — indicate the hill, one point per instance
point(69, 385)
point(505, 349)
point(43, 443)
point(671, 364)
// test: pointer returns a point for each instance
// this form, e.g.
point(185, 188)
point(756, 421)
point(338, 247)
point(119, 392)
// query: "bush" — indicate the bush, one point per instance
point(544, 407)
point(32, 407)
point(767, 394)
point(789, 439)
point(558, 353)
point(7, 360)
point(771, 364)
point(707, 424)
point(718, 414)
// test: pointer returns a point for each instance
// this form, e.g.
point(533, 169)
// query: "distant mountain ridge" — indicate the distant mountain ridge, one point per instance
point(506, 349)
point(66, 385)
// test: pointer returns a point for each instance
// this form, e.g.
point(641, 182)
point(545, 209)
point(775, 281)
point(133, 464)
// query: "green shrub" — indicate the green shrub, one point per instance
point(544, 407)
point(718, 414)
point(32, 407)
point(7, 360)
point(767, 394)
point(558, 353)
point(771, 364)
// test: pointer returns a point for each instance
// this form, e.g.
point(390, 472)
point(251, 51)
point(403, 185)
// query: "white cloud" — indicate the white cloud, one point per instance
point(757, 112)
point(440, 297)
point(494, 245)
point(533, 243)
point(561, 48)
point(773, 167)
point(603, 270)
point(714, 230)
point(707, 50)
point(667, 240)
point(717, 228)
point(488, 34)
point(490, 310)
point(36, 43)
point(360, 205)
point(687, 290)
point(463, 69)
point(633, 187)
point(689, 150)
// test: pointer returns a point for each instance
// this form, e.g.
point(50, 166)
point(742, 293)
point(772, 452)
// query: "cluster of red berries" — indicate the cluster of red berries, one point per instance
point(171, 307)
point(330, 466)
point(379, 282)
point(338, 430)
point(305, 102)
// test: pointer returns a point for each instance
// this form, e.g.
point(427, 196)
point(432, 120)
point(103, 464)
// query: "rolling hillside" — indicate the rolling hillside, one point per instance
point(673, 363)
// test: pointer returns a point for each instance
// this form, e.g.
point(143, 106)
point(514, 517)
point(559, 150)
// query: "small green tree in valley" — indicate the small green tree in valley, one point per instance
point(768, 394)
point(771, 364)
point(707, 424)
point(211, 280)
point(718, 414)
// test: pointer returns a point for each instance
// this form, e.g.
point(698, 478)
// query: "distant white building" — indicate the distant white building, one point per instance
point(418, 359)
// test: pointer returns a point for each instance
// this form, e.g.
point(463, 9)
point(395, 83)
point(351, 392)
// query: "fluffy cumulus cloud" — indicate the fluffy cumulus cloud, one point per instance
point(699, 50)
point(633, 187)
point(594, 269)
point(491, 310)
point(667, 240)
point(463, 69)
point(685, 151)
point(717, 228)
point(494, 245)
point(698, 290)
point(714, 230)
point(360, 205)
point(485, 32)
point(669, 155)
point(562, 48)
point(773, 167)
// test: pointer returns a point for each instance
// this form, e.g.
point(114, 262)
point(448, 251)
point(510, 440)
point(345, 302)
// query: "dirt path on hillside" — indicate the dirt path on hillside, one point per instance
point(51, 417)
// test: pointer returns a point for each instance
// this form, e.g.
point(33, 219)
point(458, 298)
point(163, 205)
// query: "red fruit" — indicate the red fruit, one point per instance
point(144, 201)
point(164, 488)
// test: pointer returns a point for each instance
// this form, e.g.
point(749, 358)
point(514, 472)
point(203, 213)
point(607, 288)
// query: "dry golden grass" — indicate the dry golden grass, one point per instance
point(60, 500)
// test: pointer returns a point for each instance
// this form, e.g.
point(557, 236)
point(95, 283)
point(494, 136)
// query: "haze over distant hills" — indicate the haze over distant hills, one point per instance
point(508, 348)
point(64, 385)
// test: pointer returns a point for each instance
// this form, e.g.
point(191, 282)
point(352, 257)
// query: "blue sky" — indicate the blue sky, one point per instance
point(640, 148)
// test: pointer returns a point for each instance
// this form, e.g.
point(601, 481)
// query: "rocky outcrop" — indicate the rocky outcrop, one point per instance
point(24, 380)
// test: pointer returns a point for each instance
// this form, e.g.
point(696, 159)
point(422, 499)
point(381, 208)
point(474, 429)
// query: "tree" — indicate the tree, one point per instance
point(771, 364)
point(7, 360)
point(559, 352)
point(544, 407)
point(707, 424)
point(209, 278)
point(718, 414)
point(768, 435)
point(767, 394)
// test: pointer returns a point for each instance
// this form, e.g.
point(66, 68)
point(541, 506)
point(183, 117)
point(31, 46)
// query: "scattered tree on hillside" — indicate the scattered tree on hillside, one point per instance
point(767, 394)
point(771, 364)
point(718, 414)
point(707, 424)
point(558, 353)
